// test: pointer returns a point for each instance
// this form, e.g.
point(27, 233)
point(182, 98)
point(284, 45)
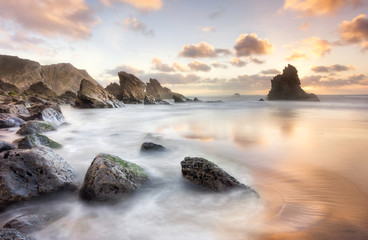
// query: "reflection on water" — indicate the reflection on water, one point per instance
point(307, 161)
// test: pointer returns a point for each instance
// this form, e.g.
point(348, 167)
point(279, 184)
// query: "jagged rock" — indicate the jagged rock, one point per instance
point(178, 98)
point(109, 176)
point(149, 147)
point(149, 100)
point(26, 174)
point(12, 234)
point(49, 112)
point(9, 120)
point(287, 87)
point(67, 98)
point(91, 95)
point(155, 89)
point(132, 88)
point(34, 140)
point(8, 88)
point(29, 223)
point(6, 146)
point(41, 90)
point(205, 173)
point(35, 126)
point(18, 110)
point(114, 89)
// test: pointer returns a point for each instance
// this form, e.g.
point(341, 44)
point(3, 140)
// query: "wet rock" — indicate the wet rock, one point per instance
point(149, 100)
point(261, 100)
point(205, 173)
point(27, 174)
point(178, 98)
point(196, 100)
point(49, 112)
point(91, 95)
point(36, 126)
point(152, 147)
point(287, 87)
point(6, 146)
point(12, 234)
point(9, 120)
point(109, 176)
point(18, 110)
point(34, 140)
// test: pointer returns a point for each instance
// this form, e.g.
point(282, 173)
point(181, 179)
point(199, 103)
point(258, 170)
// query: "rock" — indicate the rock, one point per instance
point(114, 89)
point(9, 88)
point(6, 146)
point(34, 140)
point(67, 98)
point(155, 89)
point(133, 89)
point(35, 126)
point(149, 100)
point(12, 234)
point(91, 95)
point(178, 98)
point(29, 223)
point(27, 174)
point(205, 173)
point(196, 100)
point(41, 90)
point(37, 100)
point(18, 110)
point(109, 177)
point(287, 87)
point(9, 120)
point(149, 147)
point(49, 112)
point(261, 100)
point(236, 94)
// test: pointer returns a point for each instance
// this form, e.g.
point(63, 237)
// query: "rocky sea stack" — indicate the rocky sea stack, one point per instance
point(287, 87)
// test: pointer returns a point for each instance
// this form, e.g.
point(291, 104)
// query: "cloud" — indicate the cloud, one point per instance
point(312, 47)
point(248, 83)
point(255, 60)
point(208, 29)
point(305, 26)
point(355, 31)
point(179, 67)
point(297, 56)
point(172, 78)
point(70, 18)
point(216, 14)
point(318, 7)
point(198, 66)
point(332, 68)
point(144, 5)
point(237, 62)
point(135, 25)
point(270, 72)
point(158, 65)
point(247, 45)
point(219, 65)
point(202, 50)
point(328, 81)
point(126, 68)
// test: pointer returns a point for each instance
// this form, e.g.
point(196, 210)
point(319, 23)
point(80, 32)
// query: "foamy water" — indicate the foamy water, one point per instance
point(307, 160)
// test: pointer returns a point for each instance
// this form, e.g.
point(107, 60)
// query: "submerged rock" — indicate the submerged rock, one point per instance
point(205, 173)
point(287, 87)
point(109, 176)
point(27, 174)
point(12, 234)
point(152, 147)
point(91, 95)
point(35, 126)
point(6, 146)
point(34, 140)
point(9, 120)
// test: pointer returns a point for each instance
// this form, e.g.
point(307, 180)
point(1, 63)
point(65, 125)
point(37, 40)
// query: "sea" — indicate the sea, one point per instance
point(308, 161)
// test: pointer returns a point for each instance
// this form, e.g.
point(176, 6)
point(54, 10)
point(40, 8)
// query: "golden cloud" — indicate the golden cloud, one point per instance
point(355, 31)
point(318, 7)
point(249, 44)
point(160, 66)
point(332, 68)
point(199, 66)
point(313, 47)
point(139, 4)
point(237, 62)
point(202, 50)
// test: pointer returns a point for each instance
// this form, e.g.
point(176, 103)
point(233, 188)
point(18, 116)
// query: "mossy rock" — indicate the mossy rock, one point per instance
point(36, 139)
point(35, 126)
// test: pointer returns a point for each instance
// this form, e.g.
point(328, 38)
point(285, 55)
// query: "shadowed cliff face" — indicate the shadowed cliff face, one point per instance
point(287, 87)
point(23, 73)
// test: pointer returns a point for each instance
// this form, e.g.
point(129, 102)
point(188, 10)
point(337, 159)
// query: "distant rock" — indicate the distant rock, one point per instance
point(35, 126)
point(155, 89)
point(91, 95)
point(132, 88)
point(109, 177)
point(34, 140)
point(287, 87)
point(205, 173)
point(41, 90)
point(9, 120)
point(179, 98)
point(13, 234)
point(6, 146)
point(152, 147)
point(261, 100)
point(236, 94)
point(26, 174)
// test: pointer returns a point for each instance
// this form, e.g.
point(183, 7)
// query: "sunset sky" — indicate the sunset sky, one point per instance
point(197, 47)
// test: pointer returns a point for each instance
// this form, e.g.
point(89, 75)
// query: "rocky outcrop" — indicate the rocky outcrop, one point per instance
point(9, 88)
point(27, 174)
point(34, 140)
point(6, 146)
point(41, 90)
point(179, 98)
point(49, 112)
point(132, 89)
point(35, 126)
point(18, 110)
point(205, 173)
point(12, 234)
point(152, 147)
point(109, 177)
point(287, 87)
point(91, 95)
point(155, 89)
point(67, 98)
point(9, 120)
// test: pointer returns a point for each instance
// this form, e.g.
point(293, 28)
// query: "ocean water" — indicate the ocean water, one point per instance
point(307, 160)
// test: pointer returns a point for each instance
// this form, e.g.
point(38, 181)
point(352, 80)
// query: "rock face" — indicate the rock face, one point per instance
point(12, 234)
point(152, 147)
point(67, 98)
point(155, 89)
point(109, 176)
point(132, 88)
point(26, 174)
point(35, 126)
point(6, 146)
point(287, 87)
point(205, 173)
point(41, 90)
point(9, 120)
point(49, 112)
point(7, 87)
point(91, 95)
point(34, 140)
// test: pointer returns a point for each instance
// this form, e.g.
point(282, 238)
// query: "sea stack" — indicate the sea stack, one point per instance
point(287, 87)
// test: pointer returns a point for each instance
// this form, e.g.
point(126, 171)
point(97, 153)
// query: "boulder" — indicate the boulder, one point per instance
point(35, 126)
point(67, 98)
point(109, 177)
point(9, 120)
point(41, 90)
point(18, 110)
point(287, 87)
point(8, 88)
point(34, 140)
point(152, 147)
point(27, 174)
point(91, 95)
point(149, 100)
point(6, 146)
point(205, 173)
point(12, 234)
point(179, 98)
point(49, 112)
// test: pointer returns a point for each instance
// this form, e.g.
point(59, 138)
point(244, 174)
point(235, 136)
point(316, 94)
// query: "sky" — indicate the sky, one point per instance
point(197, 47)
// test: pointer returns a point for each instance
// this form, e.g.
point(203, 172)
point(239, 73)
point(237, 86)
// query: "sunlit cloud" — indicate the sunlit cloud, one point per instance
point(332, 68)
point(328, 81)
point(208, 29)
point(312, 47)
point(318, 7)
point(255, 60)
point(249, 44)
point(202, 50)
point(297, 55)
point(270, 72)
point(305, 26)
point(219, 65)
point(237, 62)
point(70, 18)
point(144, 5)
point(355, 31)
point(199, 66)
point(135, 25)
point(125, 68)
point(172, 78)
point(158, 65)
point(179, 67)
